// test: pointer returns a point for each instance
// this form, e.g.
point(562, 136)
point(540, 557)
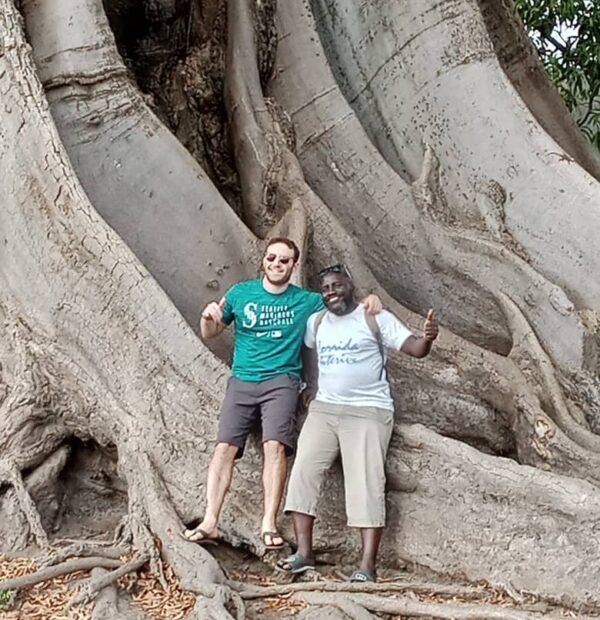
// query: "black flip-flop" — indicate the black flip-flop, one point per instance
point(294, 564)
point(362, 576)
point(205, 540)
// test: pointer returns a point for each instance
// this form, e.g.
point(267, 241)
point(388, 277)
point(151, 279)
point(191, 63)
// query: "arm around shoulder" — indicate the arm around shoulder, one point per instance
point(310, 369)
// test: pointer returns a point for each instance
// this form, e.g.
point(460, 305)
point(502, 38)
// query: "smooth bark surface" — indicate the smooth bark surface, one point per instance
point(421, 257)
point(427, 75)
point(159, 200)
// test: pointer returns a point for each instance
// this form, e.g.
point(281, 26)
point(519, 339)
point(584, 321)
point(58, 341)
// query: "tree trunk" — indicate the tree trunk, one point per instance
point(427, 204)
point(109, 132)
point(420, 74)
point(438, 262)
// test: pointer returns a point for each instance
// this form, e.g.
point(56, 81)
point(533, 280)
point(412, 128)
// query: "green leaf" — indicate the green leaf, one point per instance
point(7, 598)
point(566, 34)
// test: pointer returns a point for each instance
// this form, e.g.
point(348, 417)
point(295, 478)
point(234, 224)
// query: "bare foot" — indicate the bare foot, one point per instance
point(272, 540)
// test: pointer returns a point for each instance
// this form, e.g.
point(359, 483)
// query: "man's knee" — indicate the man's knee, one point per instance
point(225, 453)
point(273, 450)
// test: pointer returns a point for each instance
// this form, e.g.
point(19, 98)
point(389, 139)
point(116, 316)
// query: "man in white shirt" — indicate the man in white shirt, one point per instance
point(352, 415)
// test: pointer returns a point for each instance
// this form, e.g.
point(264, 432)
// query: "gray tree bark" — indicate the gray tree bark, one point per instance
point(390, 138)
point(109, 131)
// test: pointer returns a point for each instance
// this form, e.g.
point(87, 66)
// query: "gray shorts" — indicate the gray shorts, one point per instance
point(272, 403)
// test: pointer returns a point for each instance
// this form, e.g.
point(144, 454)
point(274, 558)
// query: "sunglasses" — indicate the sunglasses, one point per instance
point(339, 268)
point(284, 260)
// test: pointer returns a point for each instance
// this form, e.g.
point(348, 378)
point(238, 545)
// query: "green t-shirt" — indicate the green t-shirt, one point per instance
point(269, 329)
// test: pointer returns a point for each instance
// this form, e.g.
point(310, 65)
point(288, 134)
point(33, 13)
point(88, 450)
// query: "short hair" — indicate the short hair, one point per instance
point(290, 244)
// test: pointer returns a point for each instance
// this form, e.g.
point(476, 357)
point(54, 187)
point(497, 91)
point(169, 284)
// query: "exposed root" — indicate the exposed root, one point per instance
point(238, 603)
point(41, 485)
point(43, 601)
point(248, 593)
point(220, 597)
point(51, 572)
point(215, 607)
point(84, 549)
point(10, 474)
point(341, 601)
point(137, 596)
point(206, 609)
point(152, 513)
point(43, 390)
point(143, 540)
point(527, 343)
point(94, 586)
point(44, 486)
point(106, 607)
point(435, 600)
point(409, 607)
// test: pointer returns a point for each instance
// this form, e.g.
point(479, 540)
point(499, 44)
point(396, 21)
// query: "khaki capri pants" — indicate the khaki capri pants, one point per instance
point(362, 436)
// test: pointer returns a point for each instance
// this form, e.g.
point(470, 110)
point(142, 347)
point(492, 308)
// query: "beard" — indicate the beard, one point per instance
point(283, 278)
point(342, 306)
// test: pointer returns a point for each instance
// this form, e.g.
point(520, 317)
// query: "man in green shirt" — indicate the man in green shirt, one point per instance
point(269, 315)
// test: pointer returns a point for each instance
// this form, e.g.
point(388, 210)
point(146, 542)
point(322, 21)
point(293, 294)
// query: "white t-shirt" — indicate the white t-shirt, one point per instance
point(349, 357)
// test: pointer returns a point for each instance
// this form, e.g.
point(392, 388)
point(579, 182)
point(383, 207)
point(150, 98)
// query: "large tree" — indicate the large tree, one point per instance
point(419, 142)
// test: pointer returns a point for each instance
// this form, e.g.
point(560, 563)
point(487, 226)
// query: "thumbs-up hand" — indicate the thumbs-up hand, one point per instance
point(430, 327)
point(214, 311)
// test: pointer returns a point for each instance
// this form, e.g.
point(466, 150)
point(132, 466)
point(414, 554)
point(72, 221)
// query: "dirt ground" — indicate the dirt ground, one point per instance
point(94, 503)
point(144, 594)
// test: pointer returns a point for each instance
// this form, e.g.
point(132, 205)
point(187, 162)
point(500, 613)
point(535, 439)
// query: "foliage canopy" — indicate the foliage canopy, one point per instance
point(567, 36)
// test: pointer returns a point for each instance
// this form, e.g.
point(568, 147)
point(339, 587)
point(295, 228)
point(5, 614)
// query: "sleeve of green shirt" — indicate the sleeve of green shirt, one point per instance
point(228, 313)
point(317, 301)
